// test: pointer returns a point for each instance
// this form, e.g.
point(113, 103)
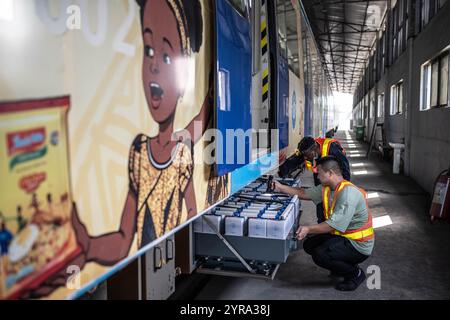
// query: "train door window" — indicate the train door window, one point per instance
point(281, 21)
point(292, 39)
point(240, 6)
point(380, 110)
point(305, 51)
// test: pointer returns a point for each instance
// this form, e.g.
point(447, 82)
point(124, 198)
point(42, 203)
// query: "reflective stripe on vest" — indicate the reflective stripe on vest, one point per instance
point(309, 166)
point(324, 149)
point(362, 234)
point(325, 146)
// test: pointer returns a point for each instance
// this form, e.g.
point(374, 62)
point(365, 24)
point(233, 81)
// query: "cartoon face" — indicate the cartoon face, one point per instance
point(164, 62)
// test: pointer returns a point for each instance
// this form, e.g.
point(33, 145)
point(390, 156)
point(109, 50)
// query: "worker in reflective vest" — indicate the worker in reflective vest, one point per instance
point(346, 238)
point(314, 149)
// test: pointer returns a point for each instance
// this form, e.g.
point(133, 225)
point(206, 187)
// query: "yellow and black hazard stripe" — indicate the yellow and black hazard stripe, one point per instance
point(265, 85)
point(264, 44)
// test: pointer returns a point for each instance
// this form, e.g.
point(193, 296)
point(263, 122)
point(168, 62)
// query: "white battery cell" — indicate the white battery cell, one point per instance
point(237, 203)
point(222, 209)
point(249, 214)
point(257, 228)
point(198, 225)
point(235, 226)
point(253, 209)
point(270, 214)
point(279, 229)
point(287, 212)
point(296, 202)
point(257, 205)
point(217, 222)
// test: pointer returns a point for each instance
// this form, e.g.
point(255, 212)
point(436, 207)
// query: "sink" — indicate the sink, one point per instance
point(397, 145)
point(398, 148)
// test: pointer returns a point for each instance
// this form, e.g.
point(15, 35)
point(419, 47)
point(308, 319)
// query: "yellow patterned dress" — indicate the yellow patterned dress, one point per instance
point(159, 188)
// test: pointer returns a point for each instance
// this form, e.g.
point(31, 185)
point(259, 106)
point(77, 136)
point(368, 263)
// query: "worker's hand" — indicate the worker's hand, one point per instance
point(277, 187)
point(302, 232)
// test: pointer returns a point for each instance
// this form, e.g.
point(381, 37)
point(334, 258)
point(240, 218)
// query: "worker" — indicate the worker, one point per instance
point(312, 150)
point(346, 238)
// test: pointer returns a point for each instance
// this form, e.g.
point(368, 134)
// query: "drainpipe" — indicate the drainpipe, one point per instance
point(409, 101)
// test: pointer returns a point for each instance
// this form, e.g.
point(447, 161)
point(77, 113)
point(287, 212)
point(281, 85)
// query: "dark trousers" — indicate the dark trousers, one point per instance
point(334, 253)
point(320, 213)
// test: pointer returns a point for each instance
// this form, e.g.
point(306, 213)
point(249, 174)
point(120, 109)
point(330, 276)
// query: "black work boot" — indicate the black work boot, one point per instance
point(351, 284)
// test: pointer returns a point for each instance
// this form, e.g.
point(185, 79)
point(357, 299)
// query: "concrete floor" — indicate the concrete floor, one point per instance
point(413, 255)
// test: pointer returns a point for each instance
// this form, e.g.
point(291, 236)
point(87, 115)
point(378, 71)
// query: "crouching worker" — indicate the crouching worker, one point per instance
point(346, 237)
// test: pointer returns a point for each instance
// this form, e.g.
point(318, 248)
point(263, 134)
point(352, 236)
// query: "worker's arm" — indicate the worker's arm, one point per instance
point(303, 231)
point(292, 163)
point(300, 192)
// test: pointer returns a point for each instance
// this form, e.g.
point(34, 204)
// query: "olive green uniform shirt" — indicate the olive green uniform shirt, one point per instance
point(350, 212)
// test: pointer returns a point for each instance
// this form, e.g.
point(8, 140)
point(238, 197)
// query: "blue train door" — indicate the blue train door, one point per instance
point(279, 69)
point(233, 82)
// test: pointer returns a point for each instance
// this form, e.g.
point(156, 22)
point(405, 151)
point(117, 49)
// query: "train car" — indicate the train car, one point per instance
point(123, 122)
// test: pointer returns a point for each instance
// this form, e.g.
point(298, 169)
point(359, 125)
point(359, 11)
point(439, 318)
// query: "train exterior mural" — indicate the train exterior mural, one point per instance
point(105, 111)
point(319, 103)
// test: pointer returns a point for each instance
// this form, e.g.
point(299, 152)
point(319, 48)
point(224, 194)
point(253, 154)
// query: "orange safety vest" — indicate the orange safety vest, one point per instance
point(324, 144)
point(362, 234)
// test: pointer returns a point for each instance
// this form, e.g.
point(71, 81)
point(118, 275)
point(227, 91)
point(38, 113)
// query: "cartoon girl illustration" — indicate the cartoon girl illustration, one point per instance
point(160, 167)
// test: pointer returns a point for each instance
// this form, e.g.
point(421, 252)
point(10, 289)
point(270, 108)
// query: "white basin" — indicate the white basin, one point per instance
point(398, 148)
point(397, 145)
